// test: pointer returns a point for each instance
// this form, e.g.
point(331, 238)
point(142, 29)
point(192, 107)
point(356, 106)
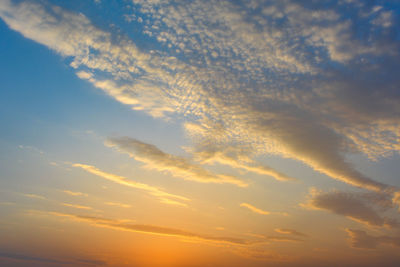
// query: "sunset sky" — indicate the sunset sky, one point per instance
point(190, 133)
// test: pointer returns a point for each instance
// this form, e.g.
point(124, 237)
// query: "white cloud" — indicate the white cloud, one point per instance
point(254, 209)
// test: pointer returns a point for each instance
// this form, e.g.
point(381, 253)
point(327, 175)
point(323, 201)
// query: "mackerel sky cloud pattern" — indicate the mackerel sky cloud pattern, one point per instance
point(279, 110)
point(310, 82)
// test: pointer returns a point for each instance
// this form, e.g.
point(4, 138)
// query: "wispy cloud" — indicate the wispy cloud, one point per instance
point(287, 231)
point(237, 158)
point(7, 203)
point(285, 235)
point(150, 229)
point(72, 193)
point(32, 149)
point(163, 196)
point(396, 199)
point(76, 206)
point(254, 209)
point(117, 204)
point(360, 239)
point(178, 166)
point(34, 196)
point(33, 259)
point(283, 238)
point(362, 208)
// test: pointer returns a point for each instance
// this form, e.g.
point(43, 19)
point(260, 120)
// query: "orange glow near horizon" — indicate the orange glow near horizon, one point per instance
point(199, 133)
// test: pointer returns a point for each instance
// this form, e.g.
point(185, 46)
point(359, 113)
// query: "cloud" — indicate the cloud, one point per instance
point(76, 206)
point(360, 239)
point(396, 199)
point(163, 196)
point(154, 158)
point(262, 254)
point(76, 262)
point(384, 19)
point(71, 193)
point(279, 120)
point(262, 212)
point(32, 149)
point(254, 209)
point(298, 81)
point(34, 196)
point(275, 113)
point(150, 229)
point(358, 207)
point(3, 203)
point(73, 35)
point(117, 204)
point(235, 157)
point(287, 231)
point(283, 238)
point(91, 262)
point(286, 235)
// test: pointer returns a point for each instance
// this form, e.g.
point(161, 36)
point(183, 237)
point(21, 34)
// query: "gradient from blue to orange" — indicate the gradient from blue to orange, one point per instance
point(199, 133)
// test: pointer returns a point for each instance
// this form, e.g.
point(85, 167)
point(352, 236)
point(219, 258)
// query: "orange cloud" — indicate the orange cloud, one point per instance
point(289, 232)
point(235, 157)
point(76, 206)
point(163, 196)
point(181, 167)
point(117, 204)
point(75, 193)
point(150, 229)
point(254, 209)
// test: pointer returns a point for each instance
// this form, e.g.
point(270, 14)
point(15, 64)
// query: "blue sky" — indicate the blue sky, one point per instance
point(265, 131)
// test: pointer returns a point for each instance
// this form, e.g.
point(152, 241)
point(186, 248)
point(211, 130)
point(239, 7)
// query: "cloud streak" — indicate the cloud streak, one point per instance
point(123, 225)
point(235, 158)
point(117, 204)
point(154, 158)
point(283, 238)
point(29, 258)
point(151, 229)
point(254, 209)
point(163, 196)
point(72, 193)
point(34, 196)
point(287, 231)
point(76, 206)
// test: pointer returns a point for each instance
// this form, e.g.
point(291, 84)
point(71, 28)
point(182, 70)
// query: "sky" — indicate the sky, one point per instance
point(199, 133)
